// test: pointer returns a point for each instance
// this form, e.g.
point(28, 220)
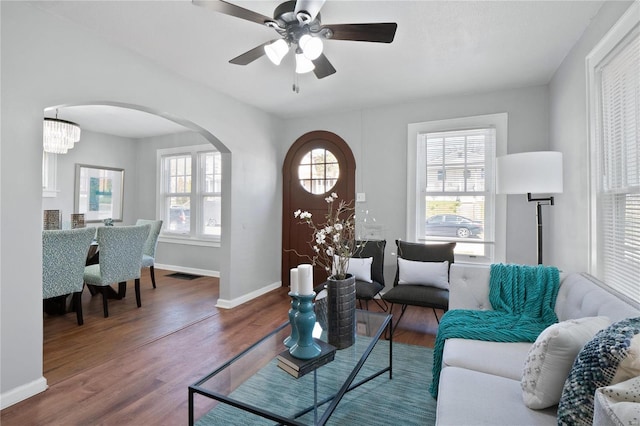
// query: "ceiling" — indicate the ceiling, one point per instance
point(441, 48)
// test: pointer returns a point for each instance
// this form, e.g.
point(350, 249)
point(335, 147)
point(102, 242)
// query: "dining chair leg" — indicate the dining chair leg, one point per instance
point(153, 276)
point(138, 300)
point(104, 301)
point(77, 302)
point(122, 289)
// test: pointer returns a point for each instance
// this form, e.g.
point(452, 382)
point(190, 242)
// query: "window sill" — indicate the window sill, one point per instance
point(189, 241)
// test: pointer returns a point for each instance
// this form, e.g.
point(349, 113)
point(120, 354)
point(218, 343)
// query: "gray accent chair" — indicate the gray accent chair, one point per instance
point(149, 252)
point(64, 254)
point(120, 259)
point(420, 295)
point(368, 291)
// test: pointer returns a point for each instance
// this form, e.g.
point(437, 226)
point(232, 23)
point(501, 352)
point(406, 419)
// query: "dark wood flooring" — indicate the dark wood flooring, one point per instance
point(134, 368)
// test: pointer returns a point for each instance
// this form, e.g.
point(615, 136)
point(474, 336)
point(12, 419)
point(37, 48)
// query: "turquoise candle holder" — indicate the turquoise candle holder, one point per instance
point(293, 338)
point(305, 319)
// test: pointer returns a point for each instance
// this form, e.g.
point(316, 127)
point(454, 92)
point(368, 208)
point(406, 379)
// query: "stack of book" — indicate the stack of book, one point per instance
point(299, 367)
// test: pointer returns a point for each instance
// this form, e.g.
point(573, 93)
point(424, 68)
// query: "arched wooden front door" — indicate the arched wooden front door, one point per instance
point(317, 164)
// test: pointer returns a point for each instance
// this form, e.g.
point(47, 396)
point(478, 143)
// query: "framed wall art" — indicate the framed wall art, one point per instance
point(99, 193)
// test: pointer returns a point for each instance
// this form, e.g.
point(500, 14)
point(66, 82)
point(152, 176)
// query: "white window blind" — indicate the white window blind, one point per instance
point(617, 150)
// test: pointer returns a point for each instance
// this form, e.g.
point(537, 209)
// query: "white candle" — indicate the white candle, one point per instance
point(305, 279)
point(293, 280)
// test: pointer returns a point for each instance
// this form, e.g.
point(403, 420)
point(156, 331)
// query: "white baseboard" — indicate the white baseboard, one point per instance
point(22, 392)
point(194, 271)
point(230, 304)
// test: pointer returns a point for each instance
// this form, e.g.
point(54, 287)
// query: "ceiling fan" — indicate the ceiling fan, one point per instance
point(298, 24)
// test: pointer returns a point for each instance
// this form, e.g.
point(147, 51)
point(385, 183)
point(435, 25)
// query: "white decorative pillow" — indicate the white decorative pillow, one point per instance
point(617, 404)
point(430, 274)
point(551, 357)
point(359, 267)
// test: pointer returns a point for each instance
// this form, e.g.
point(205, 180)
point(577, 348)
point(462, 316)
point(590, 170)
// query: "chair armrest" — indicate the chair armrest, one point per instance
point(469, 287)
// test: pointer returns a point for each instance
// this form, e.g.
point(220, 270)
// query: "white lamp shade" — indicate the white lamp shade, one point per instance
point(311, 46)
point(303, 65)
point(276, 51)
point(529, 172)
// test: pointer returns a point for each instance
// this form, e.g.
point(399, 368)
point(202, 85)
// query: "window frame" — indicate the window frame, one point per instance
point(601, 53)
point(197, 194)
point(49, 175)
point(499, 121)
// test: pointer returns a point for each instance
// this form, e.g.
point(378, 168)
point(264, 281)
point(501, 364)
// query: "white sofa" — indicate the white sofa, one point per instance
point(480, 381)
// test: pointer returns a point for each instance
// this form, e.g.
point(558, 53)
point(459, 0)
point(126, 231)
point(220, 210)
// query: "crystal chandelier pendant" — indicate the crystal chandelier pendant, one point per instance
point(59, 135)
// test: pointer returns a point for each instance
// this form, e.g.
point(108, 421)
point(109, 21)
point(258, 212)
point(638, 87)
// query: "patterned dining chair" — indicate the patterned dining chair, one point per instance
point(120, 259)
point(64, 254)
point(149, 252)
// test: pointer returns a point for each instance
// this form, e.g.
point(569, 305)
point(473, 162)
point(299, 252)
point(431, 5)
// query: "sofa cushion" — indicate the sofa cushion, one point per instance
point(468, 397)
point(612, 356)
point(551, 356)
point(498, 358)
point(433, 274)
point(582, 295)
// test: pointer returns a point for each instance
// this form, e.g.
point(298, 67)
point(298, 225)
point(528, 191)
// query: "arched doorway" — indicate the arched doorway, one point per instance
point(317, 164)
point(128, 122)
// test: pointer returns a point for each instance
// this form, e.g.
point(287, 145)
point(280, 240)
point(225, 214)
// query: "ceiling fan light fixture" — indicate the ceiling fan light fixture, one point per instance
point(303, 65)
point(276, 51)
point(311, 46)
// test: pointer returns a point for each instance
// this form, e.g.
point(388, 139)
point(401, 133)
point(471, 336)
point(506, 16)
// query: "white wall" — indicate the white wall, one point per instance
point(46, 62)
point(568, 134)
point(378, 139)
point(96, 149)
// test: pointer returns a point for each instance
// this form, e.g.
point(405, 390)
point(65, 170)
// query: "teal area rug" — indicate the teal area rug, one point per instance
point(403, 400)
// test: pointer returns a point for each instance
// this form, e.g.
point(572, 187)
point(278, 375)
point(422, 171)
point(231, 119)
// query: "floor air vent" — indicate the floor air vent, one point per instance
point(183, 276)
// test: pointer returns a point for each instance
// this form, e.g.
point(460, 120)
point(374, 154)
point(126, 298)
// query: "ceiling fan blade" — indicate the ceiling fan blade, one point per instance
point(232, 10)
point(323, 67)
point(251, 55)
point(380, 33)
point(312, 7)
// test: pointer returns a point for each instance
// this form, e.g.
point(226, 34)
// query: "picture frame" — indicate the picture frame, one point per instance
point(99, 193)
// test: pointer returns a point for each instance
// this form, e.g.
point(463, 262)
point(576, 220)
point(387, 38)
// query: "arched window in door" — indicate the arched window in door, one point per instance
point(318, 171)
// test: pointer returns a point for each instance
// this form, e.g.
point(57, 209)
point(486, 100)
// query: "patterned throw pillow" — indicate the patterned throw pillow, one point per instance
point(618, 404)
point(551, 357)
point(611, 357)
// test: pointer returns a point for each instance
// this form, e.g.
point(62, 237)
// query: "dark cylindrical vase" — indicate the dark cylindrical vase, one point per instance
point(341, 311)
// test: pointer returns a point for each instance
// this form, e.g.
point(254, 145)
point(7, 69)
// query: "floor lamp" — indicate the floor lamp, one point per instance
point(531, 173)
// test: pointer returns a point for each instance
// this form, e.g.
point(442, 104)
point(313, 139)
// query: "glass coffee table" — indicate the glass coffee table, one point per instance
point(251, 389)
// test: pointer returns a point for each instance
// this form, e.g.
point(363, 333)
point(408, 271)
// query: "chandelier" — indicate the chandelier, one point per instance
point(59, 135)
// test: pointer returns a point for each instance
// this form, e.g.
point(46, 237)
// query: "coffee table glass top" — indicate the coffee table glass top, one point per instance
point(252, 389)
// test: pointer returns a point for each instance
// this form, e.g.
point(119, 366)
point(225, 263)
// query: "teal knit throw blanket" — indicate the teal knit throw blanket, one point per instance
point(523, 298)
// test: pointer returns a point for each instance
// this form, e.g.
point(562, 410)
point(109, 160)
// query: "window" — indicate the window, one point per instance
point(613, 69)
point(318, 171)
point(451, 185)
point(190, 192)
point(49, 174)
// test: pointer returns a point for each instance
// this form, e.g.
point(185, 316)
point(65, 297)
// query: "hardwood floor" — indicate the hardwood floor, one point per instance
point(134, 368)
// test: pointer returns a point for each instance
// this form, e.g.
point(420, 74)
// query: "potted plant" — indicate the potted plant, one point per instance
point(333, 243)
